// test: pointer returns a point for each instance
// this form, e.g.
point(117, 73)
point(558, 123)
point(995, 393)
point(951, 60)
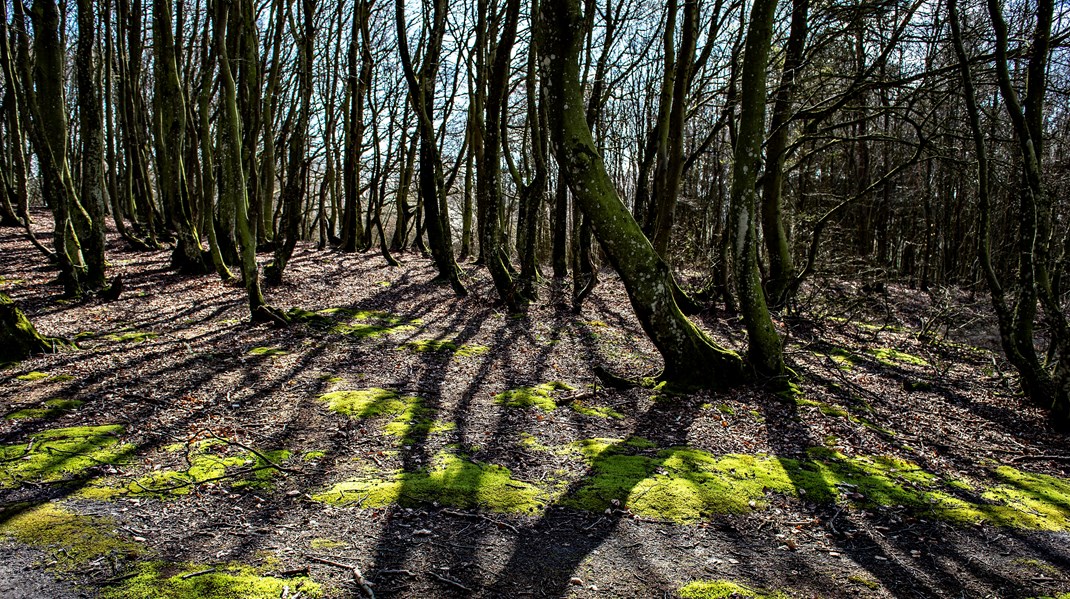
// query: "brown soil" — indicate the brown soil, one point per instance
point(198, 375)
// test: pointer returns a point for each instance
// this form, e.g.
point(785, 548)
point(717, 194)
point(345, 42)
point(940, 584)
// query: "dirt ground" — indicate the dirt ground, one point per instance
point(892, 372)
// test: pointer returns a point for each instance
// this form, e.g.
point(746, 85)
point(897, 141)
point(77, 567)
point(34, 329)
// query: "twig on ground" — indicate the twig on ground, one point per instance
point(449, 581)
point(355, 571)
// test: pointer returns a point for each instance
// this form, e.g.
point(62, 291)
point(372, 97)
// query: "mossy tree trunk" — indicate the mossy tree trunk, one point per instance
point(91, 122)
point(232, 185)
point(422, 97)
point(690, 356)
point(46, 101)
point(295, 188)
point(18, 337)
point(170, 106)
point(359, 77)
point(781, 263)
point(764, 350)
point(488, 183)
point(1047, 385)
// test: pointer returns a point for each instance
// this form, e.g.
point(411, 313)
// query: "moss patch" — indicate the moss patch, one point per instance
point(685, 485)
point(360, 324)
point(451, 480)
point(409, 418)
point(596, 410)
point(164, 580)
point(438, 345)
point(315, 455)
point(62, 454)
point(723, 589)
point(71, 540)
point(892, 357)
point(33, 375)
point(208, 461)
point(321, 543)
point(268, 351)
point(539, 396)
point(132, 336)
point(844, 359)
point(49, 409)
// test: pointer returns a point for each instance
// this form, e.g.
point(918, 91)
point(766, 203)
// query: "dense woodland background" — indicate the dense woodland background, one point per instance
point(713, 152)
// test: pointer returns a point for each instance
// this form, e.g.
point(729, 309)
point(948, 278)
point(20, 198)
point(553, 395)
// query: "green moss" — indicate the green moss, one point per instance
point(61, 378)
point(410, 419)
point(321, 543)
point(843, 359)
point(724, 589)
point(869, 583)
point(62, 454)
point(313, 456)
point(451, 480)
point(596, 411)
point(437, 345)
point(70, 540)
point(133, 336)
point(49, 409)
point(207, 462)
point(791, 392)
point(824, 408)
point(166, 580)
point(891, 357)
point(351, 322)
point(268, 351)
point(1039, 566)
point(540, 396)
point(330, 378)
point(726, 409)
point(684, 485)
point(531, 442)
point(32, 376)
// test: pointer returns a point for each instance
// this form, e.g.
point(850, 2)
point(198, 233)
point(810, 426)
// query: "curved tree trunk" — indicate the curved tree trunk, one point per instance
point(690, 356)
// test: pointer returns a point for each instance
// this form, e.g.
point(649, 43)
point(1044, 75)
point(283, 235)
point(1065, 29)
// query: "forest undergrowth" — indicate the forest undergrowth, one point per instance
point(399, 441)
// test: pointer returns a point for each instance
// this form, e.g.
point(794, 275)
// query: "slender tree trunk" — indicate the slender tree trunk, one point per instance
point(233, 189)
point(781, 264)
point(92, 136)
point(690, 356)
point(47, 105)
point(295, 190)
point(765, 353)
point(422, 96)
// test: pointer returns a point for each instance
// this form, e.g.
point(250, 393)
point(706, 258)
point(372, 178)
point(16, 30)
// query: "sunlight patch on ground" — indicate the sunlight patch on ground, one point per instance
point(205, 462)
point(723, 589)
point(70, 540)
point(50, 408)
point(60, 454)
point(360, 324)
point(409, 418)
point(540, 396)
point(167, 580)
point(451, 480)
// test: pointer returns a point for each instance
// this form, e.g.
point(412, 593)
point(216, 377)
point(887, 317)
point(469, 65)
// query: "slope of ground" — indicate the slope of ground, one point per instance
point(401, 440)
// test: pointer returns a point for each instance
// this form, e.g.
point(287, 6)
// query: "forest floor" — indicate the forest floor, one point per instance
point(430, 446)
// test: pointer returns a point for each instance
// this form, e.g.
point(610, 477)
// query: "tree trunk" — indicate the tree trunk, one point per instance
point(295, 189)
point(690, 356)
point(781, 265)
point(764, 350)
point(422, 96)
point(18, 337)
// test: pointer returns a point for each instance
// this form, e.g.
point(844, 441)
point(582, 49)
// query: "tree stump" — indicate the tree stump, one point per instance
point(19, 339)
